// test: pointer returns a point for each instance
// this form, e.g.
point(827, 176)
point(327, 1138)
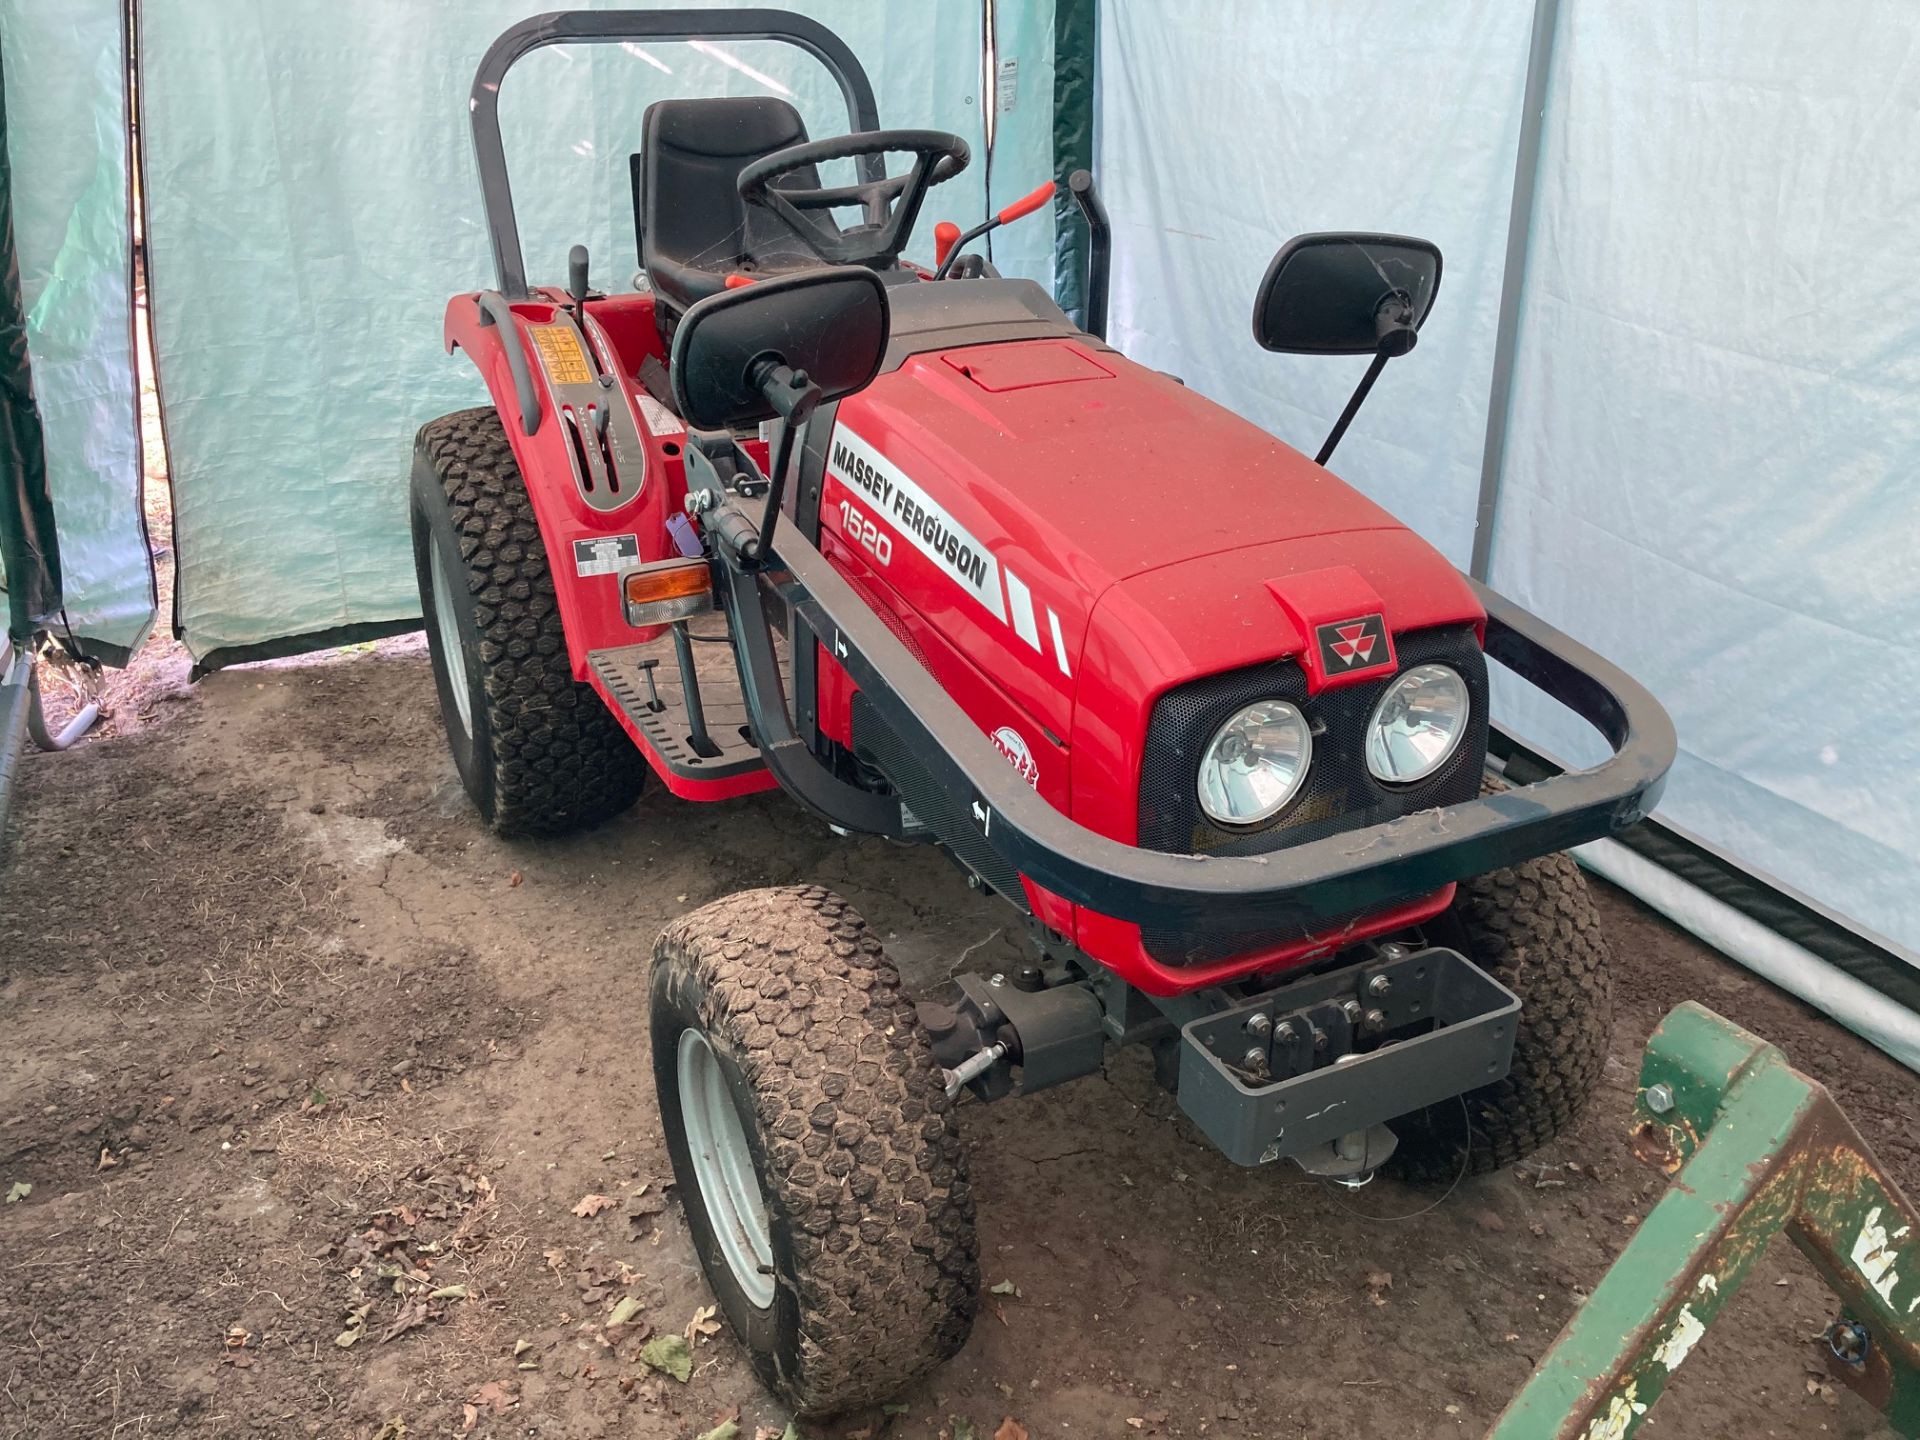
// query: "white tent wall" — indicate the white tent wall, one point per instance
point(1713, 463)
point(1224, 128)
point(312, 204)
point(67, 141)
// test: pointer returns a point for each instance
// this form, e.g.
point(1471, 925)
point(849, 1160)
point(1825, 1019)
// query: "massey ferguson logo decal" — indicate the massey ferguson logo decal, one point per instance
point(880, 485)
point(1018, 755)
point(1358, 644)
point(917, 516)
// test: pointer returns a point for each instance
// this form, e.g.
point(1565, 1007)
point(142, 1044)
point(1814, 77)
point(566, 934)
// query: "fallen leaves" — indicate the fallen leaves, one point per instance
point(592, 1205)
point(1010, 1429)
point(496, 1397)
point(1378, 1282)
point(18, 1191)
point(1007, 1287)
point(411, 1316)
point(356, 1330)
point(623, 1311)
point(670, 1355)
point(703, 1326)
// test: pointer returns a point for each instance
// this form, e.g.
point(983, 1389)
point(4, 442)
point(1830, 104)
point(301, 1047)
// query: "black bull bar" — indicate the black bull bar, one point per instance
point(1307, 885)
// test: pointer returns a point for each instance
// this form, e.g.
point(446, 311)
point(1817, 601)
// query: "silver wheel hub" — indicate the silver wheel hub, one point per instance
point(723, 1167)
point(448, 627)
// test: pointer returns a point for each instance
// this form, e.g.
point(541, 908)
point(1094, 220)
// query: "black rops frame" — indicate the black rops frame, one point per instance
point(560, 27)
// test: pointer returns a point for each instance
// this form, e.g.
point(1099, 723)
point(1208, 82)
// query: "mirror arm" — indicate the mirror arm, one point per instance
point(1395, 335)
point(795, 397)
point(1380, 358)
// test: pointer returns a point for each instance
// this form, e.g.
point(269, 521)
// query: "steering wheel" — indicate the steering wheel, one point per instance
point(889, 205)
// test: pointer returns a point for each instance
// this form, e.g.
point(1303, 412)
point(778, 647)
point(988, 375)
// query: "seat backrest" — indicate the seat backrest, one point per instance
point(687, 207)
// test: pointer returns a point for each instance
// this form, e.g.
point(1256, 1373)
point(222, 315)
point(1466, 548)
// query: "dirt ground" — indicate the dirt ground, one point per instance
point(309, 1076)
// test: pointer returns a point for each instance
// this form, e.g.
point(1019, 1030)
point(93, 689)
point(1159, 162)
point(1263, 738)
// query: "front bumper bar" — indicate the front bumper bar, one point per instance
point(1306, 886)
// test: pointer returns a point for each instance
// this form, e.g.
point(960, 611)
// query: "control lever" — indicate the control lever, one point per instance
point(1025, 205)
point(577, 278)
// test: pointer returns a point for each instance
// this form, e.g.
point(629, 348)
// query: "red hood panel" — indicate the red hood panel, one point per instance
point(1080, 454)
point(999, 491)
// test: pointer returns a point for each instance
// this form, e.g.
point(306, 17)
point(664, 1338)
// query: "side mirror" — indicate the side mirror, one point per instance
point(1339, 293)
point(830, 324)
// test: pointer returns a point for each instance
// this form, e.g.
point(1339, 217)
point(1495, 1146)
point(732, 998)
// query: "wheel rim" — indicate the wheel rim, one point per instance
point(451, 650)
point(723, 1167)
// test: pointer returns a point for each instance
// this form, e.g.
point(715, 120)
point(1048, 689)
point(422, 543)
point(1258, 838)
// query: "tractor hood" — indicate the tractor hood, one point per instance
point(1000, 490)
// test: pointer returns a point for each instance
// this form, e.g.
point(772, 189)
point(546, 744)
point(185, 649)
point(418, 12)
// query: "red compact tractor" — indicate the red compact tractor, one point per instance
point(912, 545)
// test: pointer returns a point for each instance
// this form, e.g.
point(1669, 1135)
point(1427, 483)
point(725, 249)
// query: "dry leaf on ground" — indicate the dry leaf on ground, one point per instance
point(592, 1205)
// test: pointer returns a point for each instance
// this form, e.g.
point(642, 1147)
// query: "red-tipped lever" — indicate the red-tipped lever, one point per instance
point(1026, 204)
point(948, 249)
point(945, 236)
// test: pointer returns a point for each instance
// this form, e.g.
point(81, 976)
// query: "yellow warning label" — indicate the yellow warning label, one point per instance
point(560, 353)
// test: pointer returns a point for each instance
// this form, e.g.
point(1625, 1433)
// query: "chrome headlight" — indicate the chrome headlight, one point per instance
point(1417, 725)
point(1255, 763)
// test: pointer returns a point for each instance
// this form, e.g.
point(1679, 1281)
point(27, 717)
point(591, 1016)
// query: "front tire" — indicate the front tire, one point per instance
point(814, 1147)
point(1534, 928)
point(538, 752)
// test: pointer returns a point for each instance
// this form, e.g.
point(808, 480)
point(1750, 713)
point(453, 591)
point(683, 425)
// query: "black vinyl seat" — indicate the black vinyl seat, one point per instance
point(694, 230)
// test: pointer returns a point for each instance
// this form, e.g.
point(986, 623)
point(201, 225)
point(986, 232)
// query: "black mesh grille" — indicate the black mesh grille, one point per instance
point(1339, 793)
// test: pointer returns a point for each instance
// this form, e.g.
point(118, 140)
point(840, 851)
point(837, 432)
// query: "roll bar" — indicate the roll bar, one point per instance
point(595, 27)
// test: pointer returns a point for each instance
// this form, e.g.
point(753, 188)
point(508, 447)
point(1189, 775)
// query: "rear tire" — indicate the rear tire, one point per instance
point(539, 753)
point(1533, 928)
point(858, 1176)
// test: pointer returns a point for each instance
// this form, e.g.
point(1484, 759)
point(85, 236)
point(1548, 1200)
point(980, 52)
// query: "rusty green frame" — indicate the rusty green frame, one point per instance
point(1754, 1147)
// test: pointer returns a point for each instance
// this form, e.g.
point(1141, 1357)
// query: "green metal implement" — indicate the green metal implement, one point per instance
point(1754, 1148)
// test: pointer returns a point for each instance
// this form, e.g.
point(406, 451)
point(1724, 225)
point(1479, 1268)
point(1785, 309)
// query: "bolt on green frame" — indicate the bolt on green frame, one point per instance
point(1754, 1147)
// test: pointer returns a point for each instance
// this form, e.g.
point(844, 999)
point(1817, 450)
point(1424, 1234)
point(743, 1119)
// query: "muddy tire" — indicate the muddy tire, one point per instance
point(1534, 928)
point(539, 753)
point(777, 1010)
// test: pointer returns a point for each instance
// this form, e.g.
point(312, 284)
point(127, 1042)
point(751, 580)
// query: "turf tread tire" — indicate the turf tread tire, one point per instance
point(546, 755)
point(1534, 928)
point(877, 1271)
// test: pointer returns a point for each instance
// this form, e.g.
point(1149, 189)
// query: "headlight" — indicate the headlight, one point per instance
point(1417, 725)
point(1255, 763)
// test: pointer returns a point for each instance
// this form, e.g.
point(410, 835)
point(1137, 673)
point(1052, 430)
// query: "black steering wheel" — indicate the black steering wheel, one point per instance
point(889, 206)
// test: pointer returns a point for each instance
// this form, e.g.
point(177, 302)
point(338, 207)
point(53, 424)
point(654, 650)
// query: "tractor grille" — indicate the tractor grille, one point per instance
point(1339, 793)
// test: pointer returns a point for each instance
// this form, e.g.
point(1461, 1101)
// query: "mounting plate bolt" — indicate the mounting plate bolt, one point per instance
point(1376, 1019)
point(1379, 985)
point(1254, 1059)
point(1351, 1009)
point(1283, 1033)
point(1659, 1098)
point(1259, 1024)
point(997, 979)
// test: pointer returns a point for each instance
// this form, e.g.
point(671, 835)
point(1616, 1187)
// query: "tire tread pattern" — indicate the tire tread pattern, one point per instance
point(869, 1170)
point(560, 760)
point(1534, 928)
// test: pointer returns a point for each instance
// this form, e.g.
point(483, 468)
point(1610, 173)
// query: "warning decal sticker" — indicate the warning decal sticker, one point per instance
point(606, 554)
point(560, 354)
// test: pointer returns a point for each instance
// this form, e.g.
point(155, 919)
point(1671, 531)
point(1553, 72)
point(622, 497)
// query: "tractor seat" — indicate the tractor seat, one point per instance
point(693, 228)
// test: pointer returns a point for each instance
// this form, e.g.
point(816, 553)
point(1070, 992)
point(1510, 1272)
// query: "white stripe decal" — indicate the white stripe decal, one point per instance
point(1059, 645)
point(1020, 603)
point(858, 464)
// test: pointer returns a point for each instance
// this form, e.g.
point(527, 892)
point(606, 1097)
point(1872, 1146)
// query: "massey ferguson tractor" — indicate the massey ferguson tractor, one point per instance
point(901, 538)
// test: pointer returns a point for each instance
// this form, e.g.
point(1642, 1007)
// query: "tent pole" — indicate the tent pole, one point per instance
point(1526, 170)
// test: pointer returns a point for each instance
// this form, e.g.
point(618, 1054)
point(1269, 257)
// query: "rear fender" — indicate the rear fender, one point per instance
point(586, 574)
